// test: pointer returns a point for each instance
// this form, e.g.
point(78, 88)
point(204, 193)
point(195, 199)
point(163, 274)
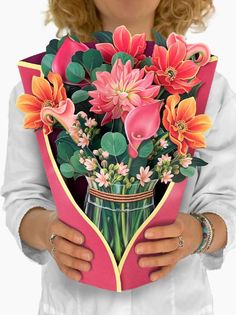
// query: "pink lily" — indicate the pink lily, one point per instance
point(123, 41)
point(64, 114)
point(64, 55)
point(141, 124)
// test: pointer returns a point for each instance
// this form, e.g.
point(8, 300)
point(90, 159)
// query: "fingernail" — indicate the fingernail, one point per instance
point(80, 240)
point(138, 250)
point(148, 234)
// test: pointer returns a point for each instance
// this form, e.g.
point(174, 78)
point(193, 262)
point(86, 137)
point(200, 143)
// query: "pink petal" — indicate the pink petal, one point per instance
point(187, 70)
point(176, 54)
point(138, 44)
point(159, 57)
point(64, 114)
point(64, 55)
point(107, 51)
point(174, 38)
point(122, 39)
point(136, 127)
point(202, 50)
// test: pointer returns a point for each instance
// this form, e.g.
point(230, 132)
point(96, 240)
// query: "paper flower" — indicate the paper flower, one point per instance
point(163, 159)
point(123, 169)
point(172, 68)
point(123, 41)
point(199, 49)
point(141, 124)
point(64, 55)
point(121, 91)
point(185, 129)
point(44, 95)
point(166, 177)
point(64, 114)
point(144, 175)
point(185, 161)
point(90, 164)
point(102, 178)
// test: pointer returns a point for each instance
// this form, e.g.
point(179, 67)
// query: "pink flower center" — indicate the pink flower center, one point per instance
point(171, 73)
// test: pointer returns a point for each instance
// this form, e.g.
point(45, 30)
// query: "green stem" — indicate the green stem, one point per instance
point(123, 221)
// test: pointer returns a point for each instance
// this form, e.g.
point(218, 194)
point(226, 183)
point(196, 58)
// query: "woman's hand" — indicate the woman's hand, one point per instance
point(164, 242)
point(70, 256)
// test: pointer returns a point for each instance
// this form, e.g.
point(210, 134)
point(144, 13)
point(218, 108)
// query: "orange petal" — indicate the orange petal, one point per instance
point(172, 101)
point(200, 123)
point(33, 121)
point(195, 140)
point(186, 109)
point(59, 92)
point(28, 103)
point(41, 88)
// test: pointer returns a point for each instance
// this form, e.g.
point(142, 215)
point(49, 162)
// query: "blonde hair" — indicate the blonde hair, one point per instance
point(81, 17)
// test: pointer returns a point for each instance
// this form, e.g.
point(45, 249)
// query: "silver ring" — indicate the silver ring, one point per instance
point(181, 241)
point(52, 237)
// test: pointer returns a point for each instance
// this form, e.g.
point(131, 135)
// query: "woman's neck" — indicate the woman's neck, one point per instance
point(135, 27)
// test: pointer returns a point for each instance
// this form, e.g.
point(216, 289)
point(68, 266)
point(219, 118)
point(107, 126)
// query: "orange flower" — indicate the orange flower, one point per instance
point(44, 95)
point(185, 128)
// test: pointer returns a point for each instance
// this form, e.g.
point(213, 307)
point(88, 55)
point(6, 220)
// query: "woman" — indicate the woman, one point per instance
point(181, 285)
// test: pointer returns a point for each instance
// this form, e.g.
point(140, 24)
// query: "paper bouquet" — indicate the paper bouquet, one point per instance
point(117, 121)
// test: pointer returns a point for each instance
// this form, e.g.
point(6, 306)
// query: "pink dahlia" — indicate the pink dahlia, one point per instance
point(121, 91)
point(123, 41)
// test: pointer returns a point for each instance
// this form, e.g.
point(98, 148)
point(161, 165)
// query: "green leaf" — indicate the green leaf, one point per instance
point(114, 143)
point(52, 47)
point(75, 38)
point(89, 88)
point(92, 58)
point(193, 92)
point(67, 170)
point(146, 62)
point(159, 39)
point(46, 63)
point(79, 96)
point(124, 58)
point(178, 178)
point(75, 72)
point(136, 164)
point(79, 168)
point(188, 172)
point(65, 151)
point(103, 67)
point(145, 149)
point(198, 162)
point(77, 57)
point(103, 37)
point(61, 41)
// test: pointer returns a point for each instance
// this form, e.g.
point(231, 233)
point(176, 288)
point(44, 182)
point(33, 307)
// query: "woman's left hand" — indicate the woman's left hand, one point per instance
point(164, 242)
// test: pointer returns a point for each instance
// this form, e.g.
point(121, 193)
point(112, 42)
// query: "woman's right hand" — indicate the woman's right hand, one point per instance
point(70, 255)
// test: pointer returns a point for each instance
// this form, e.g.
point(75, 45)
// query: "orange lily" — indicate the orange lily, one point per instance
point(184, 126)
point(44, 95)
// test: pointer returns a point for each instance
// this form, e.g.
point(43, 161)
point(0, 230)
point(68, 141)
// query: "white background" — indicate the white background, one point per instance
point(24, 34)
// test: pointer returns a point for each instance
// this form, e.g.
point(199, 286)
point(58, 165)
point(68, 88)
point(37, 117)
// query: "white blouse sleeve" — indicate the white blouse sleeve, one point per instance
point(215, 188)
point(25, 183)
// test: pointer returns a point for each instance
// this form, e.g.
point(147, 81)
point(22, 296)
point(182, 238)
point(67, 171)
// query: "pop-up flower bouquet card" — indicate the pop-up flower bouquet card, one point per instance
point(117, 121)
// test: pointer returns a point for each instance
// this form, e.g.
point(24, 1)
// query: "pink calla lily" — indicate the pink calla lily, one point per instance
point(123, 41)
point(64, 114)
point(141, 124)
point(64, 55)
point(192, 49)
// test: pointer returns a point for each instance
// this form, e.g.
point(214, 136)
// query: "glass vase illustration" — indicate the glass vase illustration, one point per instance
point(118, 211)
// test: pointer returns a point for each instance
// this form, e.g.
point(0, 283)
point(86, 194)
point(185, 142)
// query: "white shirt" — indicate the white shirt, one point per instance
point(185, 290)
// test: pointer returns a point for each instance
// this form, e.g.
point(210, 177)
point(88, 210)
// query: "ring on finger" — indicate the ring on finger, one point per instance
point(181, 241)
point(52, 237)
